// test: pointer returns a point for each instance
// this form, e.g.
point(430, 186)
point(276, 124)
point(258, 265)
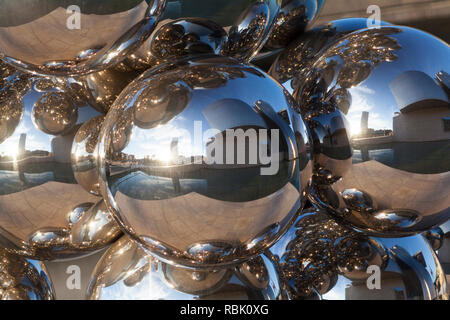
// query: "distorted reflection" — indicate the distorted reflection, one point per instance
point(175, 175)
point(291, 66)
point(292, 20)
point(22, 279)
point(126, 271)
point(65, 48)
point(235, 28)
point(38, 179)
point(377, 104)
point(321, 259)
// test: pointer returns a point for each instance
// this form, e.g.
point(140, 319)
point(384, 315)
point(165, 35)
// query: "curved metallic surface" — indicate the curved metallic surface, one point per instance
point(292, 20)
point(189, 36)
point(176, 166)
point(435, 237)
point(40, 199)
point(291, 66)
point(126, 271)
point(236, 28)
point(73, 37)
point(377, 104)
point(23, 279)
point(319, 258)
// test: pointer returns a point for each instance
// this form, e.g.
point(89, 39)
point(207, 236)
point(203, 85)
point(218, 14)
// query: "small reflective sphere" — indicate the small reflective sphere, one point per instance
point(292, 20)
point(184, 37)
point(204, 161)
point(42, 201)
point(126, 271)
point(79, 37)
point(291, 66)
point(319, 258)
point(377, 105)
point(236, 28)
point(23, 279)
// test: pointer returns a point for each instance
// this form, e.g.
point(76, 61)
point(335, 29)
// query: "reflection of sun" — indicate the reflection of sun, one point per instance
point(355, 128)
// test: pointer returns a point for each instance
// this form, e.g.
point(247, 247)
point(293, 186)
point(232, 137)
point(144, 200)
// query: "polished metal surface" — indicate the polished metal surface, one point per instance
point(236, 28)
point(292, 19)
point(435, 237)
point(377, 105)
point(170, 173)
point(319, 258)
point(47, 152)
point(22, 279)
point(127, 271)
point(60, 39)
point(291, 66)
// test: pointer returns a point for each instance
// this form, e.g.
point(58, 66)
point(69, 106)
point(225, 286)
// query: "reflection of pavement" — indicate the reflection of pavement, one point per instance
point(187, 219)
point(95, 32)
point(47, 205)
point(392, 188)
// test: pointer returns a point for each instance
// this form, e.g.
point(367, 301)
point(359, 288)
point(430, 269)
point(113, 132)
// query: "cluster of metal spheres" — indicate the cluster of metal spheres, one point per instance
point(121, 124)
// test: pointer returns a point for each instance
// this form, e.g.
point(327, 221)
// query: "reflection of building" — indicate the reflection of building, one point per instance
point(423, 108)
point(364, 122)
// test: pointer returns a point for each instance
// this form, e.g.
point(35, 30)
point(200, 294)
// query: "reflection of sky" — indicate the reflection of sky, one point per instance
point(155, 142)
point(374, 94)
point(36, 139)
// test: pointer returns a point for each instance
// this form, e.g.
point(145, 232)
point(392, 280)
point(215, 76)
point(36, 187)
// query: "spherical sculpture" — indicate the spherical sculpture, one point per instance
point(44, 211)
point(319, 258)
point(126, 271)
point(73, 37)
point(236, 28)
point(376, 103)
point(204, 161)
point(291, 66)
point(292, 20)
point(22, 279)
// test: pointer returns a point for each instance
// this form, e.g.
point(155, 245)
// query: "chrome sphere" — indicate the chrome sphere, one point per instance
point(377, 105)
point(319, 258)
point(126, 271)
point(292, 19)
point(237, 28)
point(41, 203)
point(184, 161)
point(23, 279)
point(291, 66)
point(79, 37)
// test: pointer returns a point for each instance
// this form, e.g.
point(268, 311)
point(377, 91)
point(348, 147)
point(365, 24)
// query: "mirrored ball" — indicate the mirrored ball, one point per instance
point(73, 37)
point(291, 66)
point(377, 104)
point(23, 279)
point(48, 183)
point(319, 258)
point(126, 271)
point(204, 161)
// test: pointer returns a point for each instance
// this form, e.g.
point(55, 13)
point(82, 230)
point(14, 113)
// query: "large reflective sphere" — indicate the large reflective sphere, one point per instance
point(320, 259)
point(377, 104)
point(59, 37)
point(291, 66)
point(292, 20)
point(126, 271)
point(204, 161)
point(45, 212)
point(22, 279)
point(235, 28)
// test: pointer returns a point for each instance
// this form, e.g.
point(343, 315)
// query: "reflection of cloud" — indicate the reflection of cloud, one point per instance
point(360, 103)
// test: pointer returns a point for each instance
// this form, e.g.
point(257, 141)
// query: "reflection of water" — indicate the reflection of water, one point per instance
point(418, 157)
point(237, 184)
